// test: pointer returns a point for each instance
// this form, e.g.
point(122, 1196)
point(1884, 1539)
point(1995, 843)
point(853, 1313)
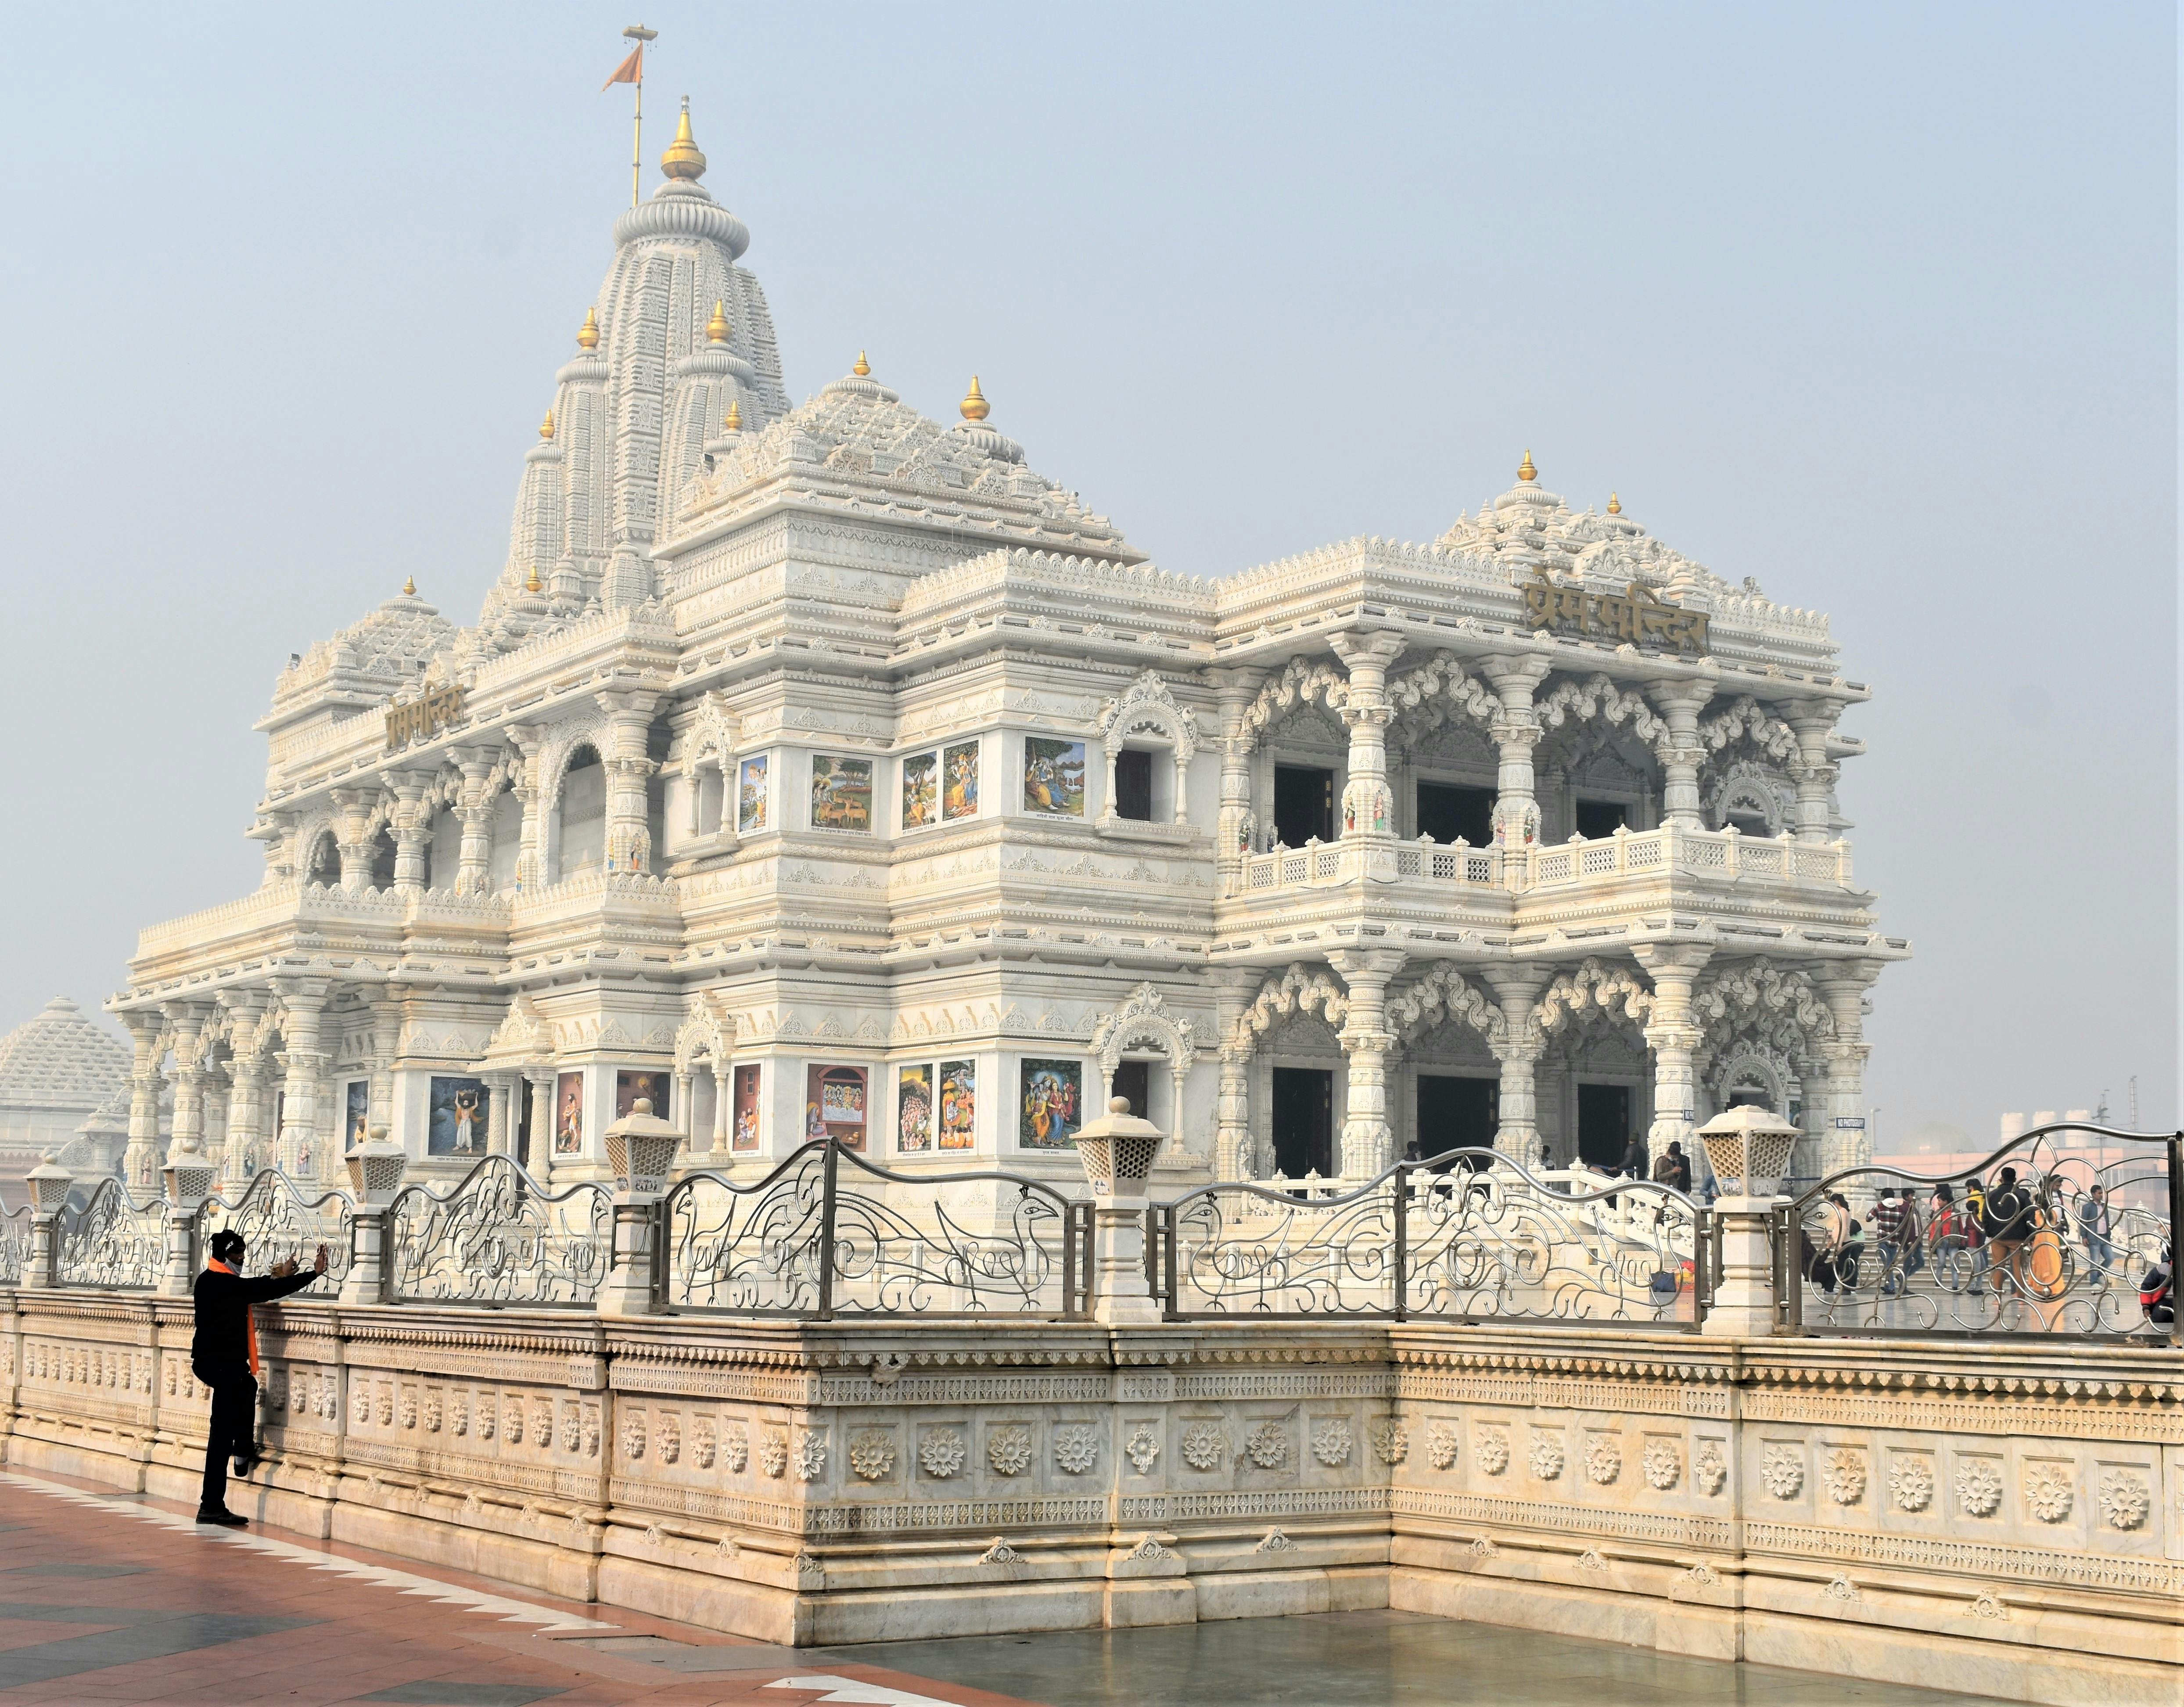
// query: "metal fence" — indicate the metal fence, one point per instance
point(2041, 1238)
point(112, 1242)
point(498, 1236)
point(830, 1233)
point(1467, 1235)
point(283, 1221)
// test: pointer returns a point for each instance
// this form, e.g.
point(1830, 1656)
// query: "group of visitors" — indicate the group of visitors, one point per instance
point(1994, 1227)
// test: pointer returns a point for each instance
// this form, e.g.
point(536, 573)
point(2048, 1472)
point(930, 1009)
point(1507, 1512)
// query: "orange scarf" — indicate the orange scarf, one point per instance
point(250, 1315)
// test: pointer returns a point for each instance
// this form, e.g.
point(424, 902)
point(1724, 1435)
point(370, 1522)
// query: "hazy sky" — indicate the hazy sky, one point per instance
point(1875, 304)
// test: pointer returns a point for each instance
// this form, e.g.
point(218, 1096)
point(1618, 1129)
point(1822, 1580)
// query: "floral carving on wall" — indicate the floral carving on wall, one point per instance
point(1076, 1447)
point(1391, 1441)
point(1979, 1487)
point(1204, 1445)
point(1663, 1464)
point(941, 1452)
point(2049, 1491)
point(1603, 1459)
point(1443, 1441)
point(1547, 1456)
point(1144, 1448)
point(1844, 1476)
point(1911, 1483)
point(1331, 1441)
point(2125, 1499)
point(1490, 1451)
point(871, 1454)
point(1268, 1445)
point(1008, 1449)
point(1782, 1468)
point(1710, 1469)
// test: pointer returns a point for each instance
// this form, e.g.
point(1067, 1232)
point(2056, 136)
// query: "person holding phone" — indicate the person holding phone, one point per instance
point(224, 1356)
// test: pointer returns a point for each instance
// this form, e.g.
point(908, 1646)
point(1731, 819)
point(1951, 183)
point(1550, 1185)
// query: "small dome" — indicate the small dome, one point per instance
point(682, 160)
point(61, 1060)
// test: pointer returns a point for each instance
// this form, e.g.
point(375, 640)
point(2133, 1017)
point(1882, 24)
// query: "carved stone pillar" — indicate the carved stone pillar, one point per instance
point(353, 835)
point(724, 1081)
point(1368, 1144)
point(686, 1110)
point(540, 1160)
point(219, 1091)
point(1236, 825)
point(629, 827)
point(1679, 703)
point(1518, 1051)
point(413, 829)
point(1516, 732)
point(1812, 771)
point(187, 1020)
point(1369, 808)
point(385, 1042)
point(474, 865)
point(247, 1079)
point(1234, 1154)
point(140, 1161)
point(1671, 1036)
point(1842, 985)
point(530, 793)
point(305, 1004)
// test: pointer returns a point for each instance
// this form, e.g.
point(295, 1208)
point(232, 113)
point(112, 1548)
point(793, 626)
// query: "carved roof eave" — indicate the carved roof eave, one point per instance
point(840, 496)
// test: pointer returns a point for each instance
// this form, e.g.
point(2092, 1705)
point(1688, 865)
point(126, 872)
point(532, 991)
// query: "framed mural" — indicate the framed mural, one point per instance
point(569, 1114)
point(455, 1117)
point(959, 1105)
point(633, 1082)
point(751, 795)
point(920, 790)
point(744, 1134)
point(841, 793)
point(1052, 1109)
point(913, 1109)
point(959, 772)
point(356, 1111)
point(834, 1104)
point(1054, 777)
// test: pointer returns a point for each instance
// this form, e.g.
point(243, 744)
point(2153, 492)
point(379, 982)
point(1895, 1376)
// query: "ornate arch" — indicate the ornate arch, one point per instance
point(1302, 681)
point(1747, 718)
point(1295, 991)
point(1440, 689)
point(713, 733)
point(1756, 999)
point(1596, 699)
point(561, 745)
point(1444, 993)
point(1148, 703)
point(1143, 1018)
point(1593, 985)
point(1751, 1059)
point(1752, 787)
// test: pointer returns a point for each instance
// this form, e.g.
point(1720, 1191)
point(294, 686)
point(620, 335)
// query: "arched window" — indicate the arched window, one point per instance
point(583, 815)
point(443, 856)
point(324, 865)
point(383, 861)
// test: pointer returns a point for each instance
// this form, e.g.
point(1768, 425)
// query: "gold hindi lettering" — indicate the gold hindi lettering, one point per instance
point(432, 711)
point(1634, 615)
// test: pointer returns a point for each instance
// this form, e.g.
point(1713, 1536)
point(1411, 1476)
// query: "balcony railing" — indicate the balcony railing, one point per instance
point(1728, 855)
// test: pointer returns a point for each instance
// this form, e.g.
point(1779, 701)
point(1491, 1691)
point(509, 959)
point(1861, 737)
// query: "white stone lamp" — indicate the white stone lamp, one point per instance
point(49, 1183)
point(1117, 1150)
point(1752, 1147)
point(641, 1149)
point(376, 1168)
point(189, 1174)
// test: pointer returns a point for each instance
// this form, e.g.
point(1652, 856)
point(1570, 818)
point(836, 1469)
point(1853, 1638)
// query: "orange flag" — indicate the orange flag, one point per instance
point(631, 71)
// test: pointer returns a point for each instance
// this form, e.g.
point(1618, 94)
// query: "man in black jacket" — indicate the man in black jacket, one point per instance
point(224, 1356)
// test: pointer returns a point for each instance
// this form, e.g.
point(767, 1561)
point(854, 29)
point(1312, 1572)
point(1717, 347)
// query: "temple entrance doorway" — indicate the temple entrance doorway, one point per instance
point(1303, 1120)
point(1603, 1125)
point(1447, 812)
point(1304, 805)
point(1455, 1114)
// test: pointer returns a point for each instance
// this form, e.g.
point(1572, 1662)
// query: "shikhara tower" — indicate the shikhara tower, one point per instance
point(828, 769)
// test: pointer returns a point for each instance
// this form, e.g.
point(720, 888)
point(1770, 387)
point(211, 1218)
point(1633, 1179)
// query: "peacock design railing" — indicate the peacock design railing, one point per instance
point(281, 1220)
point(2017, 1243)
point(1467, 1236)
point(829, 1233)
point(498, 1236)
point(112, 1242)
point(16, 1246)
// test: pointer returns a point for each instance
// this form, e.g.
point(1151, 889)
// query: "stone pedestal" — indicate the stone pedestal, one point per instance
point(641, 1149)
point(1744, 1297)
point(1117, 1152)
point(374, 1176)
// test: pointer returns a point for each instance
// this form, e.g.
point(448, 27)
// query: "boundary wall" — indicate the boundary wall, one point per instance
point(2004, 1517)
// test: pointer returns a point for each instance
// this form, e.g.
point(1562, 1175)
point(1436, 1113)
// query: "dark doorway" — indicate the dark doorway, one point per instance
point(1134, 1079)
point(1304, 1121)
point(1133, 784)
point(1446, 811)
point(383, 861)
point(1751, 1099)
point(1304, 805)
point(1456, 1114)
point(523, 1101)
point(1598, 819)
point(1603, 1125)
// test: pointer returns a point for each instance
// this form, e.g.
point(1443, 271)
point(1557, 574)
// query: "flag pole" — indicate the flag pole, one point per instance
point(638, 34)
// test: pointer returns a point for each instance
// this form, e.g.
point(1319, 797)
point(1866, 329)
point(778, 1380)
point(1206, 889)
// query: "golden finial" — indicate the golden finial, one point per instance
point(716, 328)
point(862, 366)
point(732, 422)
point(409, 587)
point(1525, 471)
point(974, 404)
point(682, 160)
point(546, 427)
point(1614, 505)
point(532, 584)
point(587, 334)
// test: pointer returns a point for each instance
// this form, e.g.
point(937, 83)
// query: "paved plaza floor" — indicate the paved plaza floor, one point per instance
point(109, 1597)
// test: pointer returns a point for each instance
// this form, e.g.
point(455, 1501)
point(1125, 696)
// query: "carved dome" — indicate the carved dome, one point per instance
point(61, 1060)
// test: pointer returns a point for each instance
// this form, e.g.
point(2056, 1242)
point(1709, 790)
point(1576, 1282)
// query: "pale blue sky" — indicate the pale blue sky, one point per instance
point(1877, 304)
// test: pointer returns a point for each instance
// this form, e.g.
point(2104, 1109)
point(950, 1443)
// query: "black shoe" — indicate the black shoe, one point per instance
point(225, 1519)
point(242, 1467)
